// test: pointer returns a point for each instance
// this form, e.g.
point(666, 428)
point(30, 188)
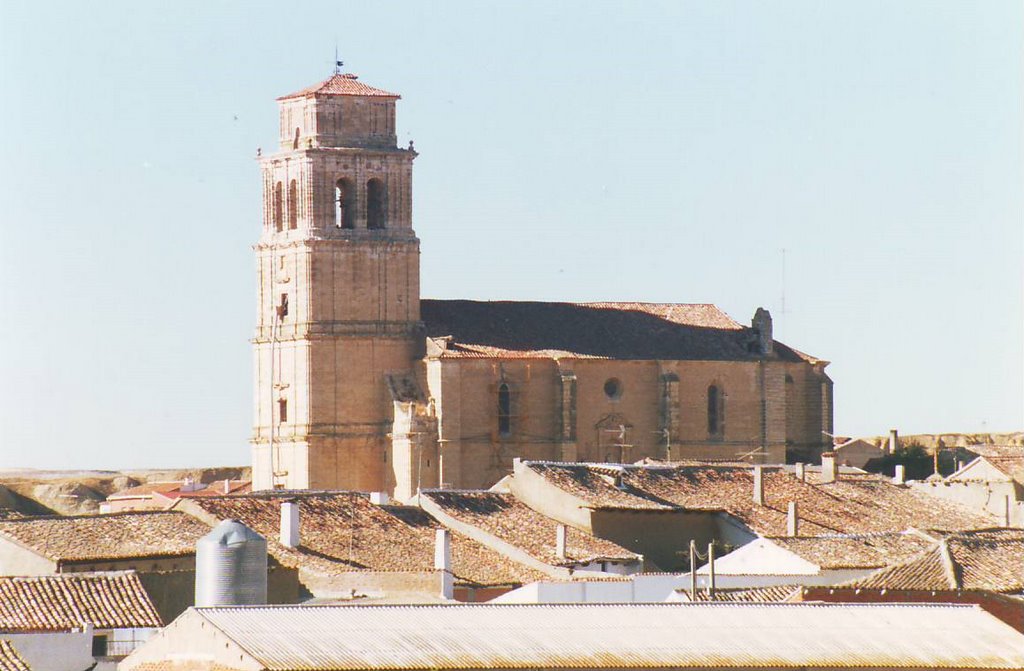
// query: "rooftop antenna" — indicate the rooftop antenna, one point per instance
point(337, 63)
point(782, 307)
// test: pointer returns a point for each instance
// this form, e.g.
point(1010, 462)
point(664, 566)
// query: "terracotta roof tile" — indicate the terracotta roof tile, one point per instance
point(343, 532)
point(63, 602)
point(102, 537)
point(10, 660)
point(855, 504)
point(505, 517)
point(639, 331)
point(857, 550)
point(341, 85)
point(600, 486)
point(987, 559)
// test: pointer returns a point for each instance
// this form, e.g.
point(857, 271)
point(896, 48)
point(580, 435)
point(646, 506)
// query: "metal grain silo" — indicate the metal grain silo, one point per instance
point(231, 566)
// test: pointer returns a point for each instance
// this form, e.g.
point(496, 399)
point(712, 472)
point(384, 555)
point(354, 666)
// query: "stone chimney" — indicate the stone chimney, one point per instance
point(801, 471)
point(762, 326)
point(379, 498)
point(560, 538)
point(792, 520)
point(758, 485)
point(443, 562)
point(901, 475)
point(290, 524)
point(894, 441)
point(829, 468)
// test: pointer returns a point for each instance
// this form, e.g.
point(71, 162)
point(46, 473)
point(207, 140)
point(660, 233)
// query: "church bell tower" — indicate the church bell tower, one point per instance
point(338, 328)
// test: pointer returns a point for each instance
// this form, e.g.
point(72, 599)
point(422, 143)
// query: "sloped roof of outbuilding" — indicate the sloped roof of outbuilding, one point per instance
point(632, 331)
point(104, 537)
point(857, 503)
point(987, 559)
point(111, 600)
point(599, 636)
point(508, 519)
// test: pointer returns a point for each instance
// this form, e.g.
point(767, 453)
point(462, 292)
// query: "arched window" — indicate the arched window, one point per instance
point(504, 410)
point(716, 411)
point(344, 204)
point(376, 204)
point(293, 205)
point(278, 207)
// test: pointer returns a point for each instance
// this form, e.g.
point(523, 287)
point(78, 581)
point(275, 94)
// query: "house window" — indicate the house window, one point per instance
point(613, 388)
point(376, 204)
point(716, 411)
point(278, 207)
point(282, 410)
point(504, 410)
point(99, 646)
point(293, 205)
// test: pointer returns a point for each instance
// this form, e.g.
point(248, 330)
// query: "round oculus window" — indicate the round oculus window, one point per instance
point(613, 388)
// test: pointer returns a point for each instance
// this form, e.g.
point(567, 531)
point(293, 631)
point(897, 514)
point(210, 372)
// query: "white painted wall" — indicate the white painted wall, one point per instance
point(61, 651)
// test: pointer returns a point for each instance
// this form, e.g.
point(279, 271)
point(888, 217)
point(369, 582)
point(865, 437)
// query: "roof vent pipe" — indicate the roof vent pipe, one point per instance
point(792, 520)
point(560, 538)
point(290, 524)
point(801, 471)
point(829, 469)
point(443, 562)
point(901, 475)
point(758, 485)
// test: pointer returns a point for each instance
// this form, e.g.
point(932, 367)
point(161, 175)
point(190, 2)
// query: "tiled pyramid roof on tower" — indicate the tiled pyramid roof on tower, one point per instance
point(639, 331)
point(346, 84)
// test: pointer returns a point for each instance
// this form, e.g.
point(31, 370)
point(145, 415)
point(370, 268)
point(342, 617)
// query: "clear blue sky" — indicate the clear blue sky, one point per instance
point(651, 151)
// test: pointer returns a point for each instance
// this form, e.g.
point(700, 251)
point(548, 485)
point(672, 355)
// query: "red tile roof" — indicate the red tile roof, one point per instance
point(341, 85)
point(855, 504)
point(342, 532)
point(988, 559)
point(857, 550)
point(505, 517)
point(114, 600)
point(637, 331)
point(768, 594)
point(10, 660)
point(104, 537)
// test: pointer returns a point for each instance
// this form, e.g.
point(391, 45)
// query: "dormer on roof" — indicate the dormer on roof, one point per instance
point(340, 111)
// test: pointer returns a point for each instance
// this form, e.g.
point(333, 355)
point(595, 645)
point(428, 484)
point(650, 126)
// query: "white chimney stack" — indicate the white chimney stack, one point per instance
point(801, 471)
point(443, 562)
point(560, 538)
point(894, 441)
point(379, 498)
point(290, 524)
point(901, 475)
point(792, 520)
point(227, 486)
point(758, 485)
point(829, 469)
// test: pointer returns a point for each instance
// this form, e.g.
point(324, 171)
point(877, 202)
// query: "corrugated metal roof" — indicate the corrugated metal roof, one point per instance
point(621, 636)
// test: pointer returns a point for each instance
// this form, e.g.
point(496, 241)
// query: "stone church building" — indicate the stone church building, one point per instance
point(361, 384)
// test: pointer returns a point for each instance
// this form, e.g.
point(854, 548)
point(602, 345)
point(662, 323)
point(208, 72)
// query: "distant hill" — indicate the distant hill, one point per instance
point(32, 492)
point(929, 441)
